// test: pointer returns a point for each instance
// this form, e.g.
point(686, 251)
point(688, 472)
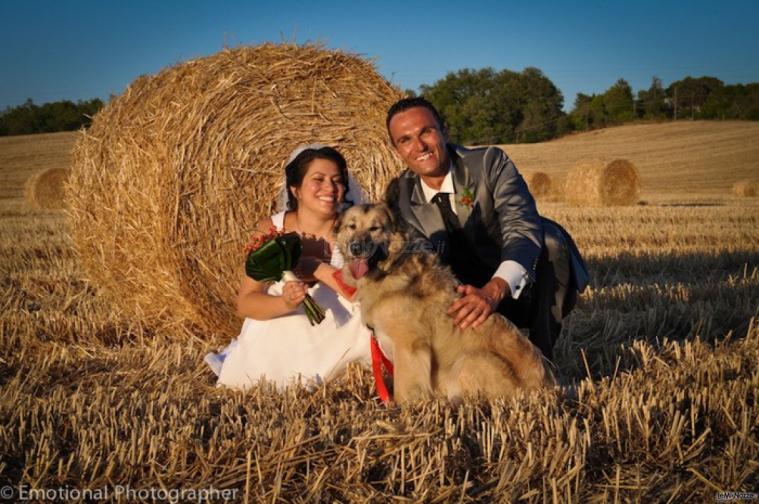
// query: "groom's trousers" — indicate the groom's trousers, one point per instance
point(542, 306)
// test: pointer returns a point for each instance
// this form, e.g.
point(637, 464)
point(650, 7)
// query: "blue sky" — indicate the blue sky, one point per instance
point(77, 49)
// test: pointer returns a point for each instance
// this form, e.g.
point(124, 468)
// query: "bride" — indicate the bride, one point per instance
point(277, 342)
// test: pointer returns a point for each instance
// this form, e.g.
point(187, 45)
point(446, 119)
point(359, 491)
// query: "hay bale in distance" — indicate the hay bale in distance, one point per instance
point(595, 183)
point(746, 188)
point(539, 184)
point(45, 190)
point(172, 176)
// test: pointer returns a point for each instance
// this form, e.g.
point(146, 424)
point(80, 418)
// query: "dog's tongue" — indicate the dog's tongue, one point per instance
point(359, 268)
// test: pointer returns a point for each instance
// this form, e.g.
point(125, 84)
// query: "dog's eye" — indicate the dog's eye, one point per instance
point(352, 226)
point(374, 228)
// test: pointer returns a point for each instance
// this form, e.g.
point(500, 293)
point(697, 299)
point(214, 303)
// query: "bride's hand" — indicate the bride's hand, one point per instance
point(293, 294)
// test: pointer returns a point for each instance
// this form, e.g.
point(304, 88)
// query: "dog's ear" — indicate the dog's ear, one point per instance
point(391, 217)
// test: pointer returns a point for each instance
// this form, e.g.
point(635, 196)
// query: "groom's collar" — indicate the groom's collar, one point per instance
point(445, 187)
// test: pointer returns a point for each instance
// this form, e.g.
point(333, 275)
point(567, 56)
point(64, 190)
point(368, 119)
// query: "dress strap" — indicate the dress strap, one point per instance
point(278, 219)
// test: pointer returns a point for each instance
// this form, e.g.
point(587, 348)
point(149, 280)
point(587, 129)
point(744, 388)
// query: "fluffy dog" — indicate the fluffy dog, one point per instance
point(404, 296)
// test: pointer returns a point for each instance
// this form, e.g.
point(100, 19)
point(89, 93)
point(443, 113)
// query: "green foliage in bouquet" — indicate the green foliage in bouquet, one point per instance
point(272, 257)
point(275, 255)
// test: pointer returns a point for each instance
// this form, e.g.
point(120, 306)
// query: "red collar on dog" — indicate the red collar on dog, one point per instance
point(378, 358)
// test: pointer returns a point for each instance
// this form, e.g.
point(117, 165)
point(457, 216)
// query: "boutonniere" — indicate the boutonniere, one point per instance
point(467, 197)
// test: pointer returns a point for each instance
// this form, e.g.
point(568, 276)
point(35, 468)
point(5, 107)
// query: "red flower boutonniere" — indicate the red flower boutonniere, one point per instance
point(467, 197)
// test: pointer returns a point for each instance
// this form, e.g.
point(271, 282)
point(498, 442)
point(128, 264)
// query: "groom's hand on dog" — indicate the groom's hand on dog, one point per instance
point(475, 305)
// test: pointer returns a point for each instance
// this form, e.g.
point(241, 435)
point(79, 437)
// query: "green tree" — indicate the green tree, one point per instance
point(597, 111)
point(652, 102)
point(580, 114)
point(733, 102)
point(54, 116)
point(618, 103)
point(541, 107)
point(486, 107)
point(459, 97)
point(750, 107)
point(688, 96)
point(23, 119)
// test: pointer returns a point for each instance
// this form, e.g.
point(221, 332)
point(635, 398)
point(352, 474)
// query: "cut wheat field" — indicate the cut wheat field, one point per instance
point(686, 161)
point(658, 365)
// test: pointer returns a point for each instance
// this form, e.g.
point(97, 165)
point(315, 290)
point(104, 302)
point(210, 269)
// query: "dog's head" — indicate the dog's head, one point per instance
point(366, 236)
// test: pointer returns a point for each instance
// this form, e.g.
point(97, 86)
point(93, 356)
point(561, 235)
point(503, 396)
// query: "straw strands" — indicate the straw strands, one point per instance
point(746, 188)
point(659, 360)
point(539, 184)
point(595, 183)
point(173, 175)
point(45, 189)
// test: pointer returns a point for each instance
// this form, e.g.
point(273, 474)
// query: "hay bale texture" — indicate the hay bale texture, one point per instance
point(746, 188)
point(172, 176)
point(45, 190)
point(539, 184)
point(596, 183)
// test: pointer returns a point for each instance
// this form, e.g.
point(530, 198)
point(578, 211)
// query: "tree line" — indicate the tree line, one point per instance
point(62, 115)
point(494, 107)
point(486, 106)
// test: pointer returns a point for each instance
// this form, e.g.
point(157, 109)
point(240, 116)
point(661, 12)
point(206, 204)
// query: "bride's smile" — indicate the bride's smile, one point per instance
point(322, 190)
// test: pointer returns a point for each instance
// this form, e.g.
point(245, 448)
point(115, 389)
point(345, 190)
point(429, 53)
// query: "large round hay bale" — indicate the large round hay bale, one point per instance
point(45, 189)
point(539, 184)
point(746, 188)
point(172, 176)
point(596, 183)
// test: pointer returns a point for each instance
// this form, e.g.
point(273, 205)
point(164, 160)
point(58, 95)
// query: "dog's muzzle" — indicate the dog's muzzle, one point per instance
point(365, 253)
point(363, 247)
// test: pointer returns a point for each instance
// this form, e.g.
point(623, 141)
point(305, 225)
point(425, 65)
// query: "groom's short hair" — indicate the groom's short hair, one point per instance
point(404, 104)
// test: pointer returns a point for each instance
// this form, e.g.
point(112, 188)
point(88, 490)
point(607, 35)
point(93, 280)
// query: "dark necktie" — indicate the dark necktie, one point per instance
point(443, 202)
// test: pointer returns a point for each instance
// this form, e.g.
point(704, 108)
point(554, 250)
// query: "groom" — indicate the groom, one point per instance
point(475, 209)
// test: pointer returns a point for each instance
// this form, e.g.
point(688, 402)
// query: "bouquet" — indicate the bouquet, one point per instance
point(271, 257)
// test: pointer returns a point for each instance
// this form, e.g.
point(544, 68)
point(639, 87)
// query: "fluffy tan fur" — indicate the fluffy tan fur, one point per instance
point(404, 297)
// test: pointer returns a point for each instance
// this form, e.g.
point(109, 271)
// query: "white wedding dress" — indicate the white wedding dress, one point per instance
point(288, 349)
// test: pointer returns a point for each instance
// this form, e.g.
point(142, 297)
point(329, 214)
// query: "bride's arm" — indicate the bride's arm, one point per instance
point(325, 274)
point(253, 301)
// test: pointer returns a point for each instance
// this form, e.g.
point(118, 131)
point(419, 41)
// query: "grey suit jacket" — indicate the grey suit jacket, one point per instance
point(501, 222)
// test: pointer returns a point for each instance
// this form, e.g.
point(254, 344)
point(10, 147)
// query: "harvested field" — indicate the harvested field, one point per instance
point(658, 365)
point(678, 162)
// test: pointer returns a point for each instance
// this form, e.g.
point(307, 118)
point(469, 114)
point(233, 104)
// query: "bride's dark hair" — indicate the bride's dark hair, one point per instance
point(296, 170)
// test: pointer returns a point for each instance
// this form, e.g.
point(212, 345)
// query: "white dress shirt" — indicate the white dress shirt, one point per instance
point(509, 271)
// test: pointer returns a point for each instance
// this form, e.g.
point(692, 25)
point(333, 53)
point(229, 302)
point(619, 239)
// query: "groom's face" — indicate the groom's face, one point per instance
point(419, 141)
